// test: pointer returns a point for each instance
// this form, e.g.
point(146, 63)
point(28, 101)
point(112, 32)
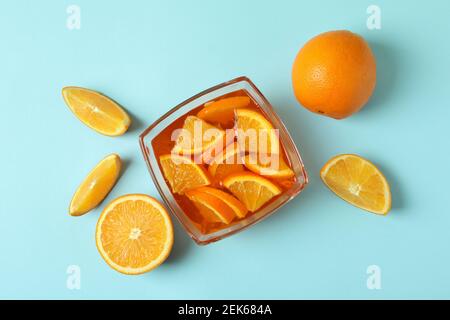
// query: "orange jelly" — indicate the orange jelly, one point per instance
point(225, 163)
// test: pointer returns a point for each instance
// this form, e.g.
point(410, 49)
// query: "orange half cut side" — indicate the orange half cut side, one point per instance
point(134, 234)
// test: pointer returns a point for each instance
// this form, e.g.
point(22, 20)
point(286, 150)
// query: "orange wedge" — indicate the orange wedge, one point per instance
point(96, 185)
point(357, 181)
point(277, 169)
point(238, 207)
point(134, 234)
point(222, 111)
point(255, 133)
point(97, 111)
point(253, 190)
point(211, 207)
point(182, 173)
point(198, 136)
point(225, 163)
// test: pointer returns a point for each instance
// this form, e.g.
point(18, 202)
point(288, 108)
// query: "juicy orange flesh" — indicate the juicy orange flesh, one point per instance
point(237, 206)
point(357, 182)
point(224, 170)
point(253, 196)
point(207, 213)
point(197, 143)
point(133, 234)
point(96, 186)
point(225, 164)
point(222, 111)
point(212, 208)
point(279, 169)
point(96, 110)
point(251, 123)
point(183, 176)
point(254, 193)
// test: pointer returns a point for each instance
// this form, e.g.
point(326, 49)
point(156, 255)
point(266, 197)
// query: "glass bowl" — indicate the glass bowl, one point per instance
point(241, 83)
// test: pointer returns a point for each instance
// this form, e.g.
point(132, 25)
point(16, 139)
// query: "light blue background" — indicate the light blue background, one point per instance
point(150, 56)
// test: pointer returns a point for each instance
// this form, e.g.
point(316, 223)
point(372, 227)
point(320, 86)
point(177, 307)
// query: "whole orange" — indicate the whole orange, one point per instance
point(334, 74)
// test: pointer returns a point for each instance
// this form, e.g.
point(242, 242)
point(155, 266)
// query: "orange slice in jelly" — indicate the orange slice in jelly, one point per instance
point(225, 163)
point(198, 136)
point(255, 133)
point(222, 111)
point(182, 173)
point(210, 207)
point(274, 169)
point(237, 206)
point(253, 190)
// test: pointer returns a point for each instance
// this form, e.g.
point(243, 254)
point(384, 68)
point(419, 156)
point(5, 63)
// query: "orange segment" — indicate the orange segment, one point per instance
point(222, 111)
point(182, 173)
point(225, 163)
point(255, 133)
point(97, 111)
point(134, 234)
point(274, 168)
point(253, 190)
point(357, 181)
point(198, 136)
point(238, 207)
point(211, 208)
point(96, 185)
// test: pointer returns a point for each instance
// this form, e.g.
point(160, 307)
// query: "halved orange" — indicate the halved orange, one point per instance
point(97, 111)
point(277, 168)
point(238, 207)
point(253, 190)
point(357, 181)
point(225, 163)
point(134, 234)
point(255, 133)
point(182, 173)
point(96, 186)
point(222, 111)
point(211, 207)
point(198, 136)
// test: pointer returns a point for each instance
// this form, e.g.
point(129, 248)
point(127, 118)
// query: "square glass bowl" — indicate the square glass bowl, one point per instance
point(241, 83)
